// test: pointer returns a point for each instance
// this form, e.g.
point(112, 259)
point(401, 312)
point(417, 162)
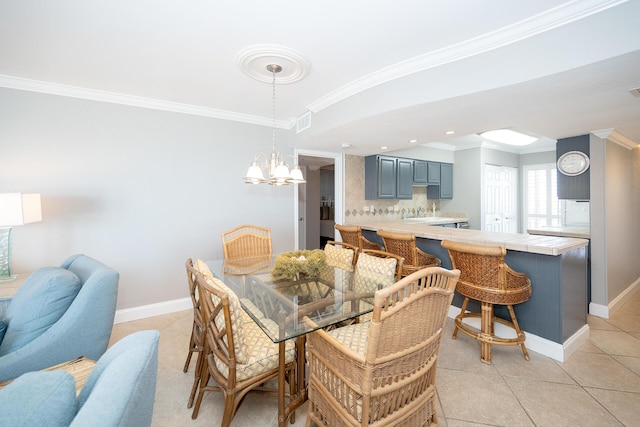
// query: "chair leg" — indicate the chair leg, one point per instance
point(229, 410)
point(518, 331)
point(204, 380)
point(463, 309)
point(191, 348)
point(486, 329)
point(196, 379)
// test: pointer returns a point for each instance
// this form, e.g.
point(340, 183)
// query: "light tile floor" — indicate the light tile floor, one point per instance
point(599, 385)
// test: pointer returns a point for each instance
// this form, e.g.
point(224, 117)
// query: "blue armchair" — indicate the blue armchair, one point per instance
point(119, 392)
point(82, 329)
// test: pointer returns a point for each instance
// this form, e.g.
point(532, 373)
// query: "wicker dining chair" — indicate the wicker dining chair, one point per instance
point(196, 342)
point(246, 241)
point(240, 357)
point(383, 372)
point(404, 244)
point(352, 234)
point(486, 278)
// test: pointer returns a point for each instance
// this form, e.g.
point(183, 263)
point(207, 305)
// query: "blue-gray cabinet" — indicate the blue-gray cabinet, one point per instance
point(426, 172)
point(404, 179)
point(444, 189)
point(387, 177)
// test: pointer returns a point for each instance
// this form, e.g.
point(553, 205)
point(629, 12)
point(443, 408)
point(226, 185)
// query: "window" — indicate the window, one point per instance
point(541, 204)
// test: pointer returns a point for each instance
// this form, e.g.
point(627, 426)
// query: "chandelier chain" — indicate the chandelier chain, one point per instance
point(273, 108)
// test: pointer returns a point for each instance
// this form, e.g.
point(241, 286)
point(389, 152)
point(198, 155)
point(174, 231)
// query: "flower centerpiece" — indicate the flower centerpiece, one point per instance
point(292, 265)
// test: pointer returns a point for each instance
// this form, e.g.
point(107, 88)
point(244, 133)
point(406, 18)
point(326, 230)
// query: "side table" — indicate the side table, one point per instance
point(79, 368)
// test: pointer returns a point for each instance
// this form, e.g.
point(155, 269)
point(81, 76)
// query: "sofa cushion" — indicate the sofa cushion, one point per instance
point(39, 398)
point(41, 300)
point(373, 273)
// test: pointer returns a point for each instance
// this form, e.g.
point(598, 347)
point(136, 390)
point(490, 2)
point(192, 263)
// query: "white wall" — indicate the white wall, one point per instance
point(139, 189)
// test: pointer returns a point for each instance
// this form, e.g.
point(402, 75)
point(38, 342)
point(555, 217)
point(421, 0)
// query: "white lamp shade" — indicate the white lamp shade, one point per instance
point(282, 172)
point(296, 176)
point(19, 209)
point(254, 174)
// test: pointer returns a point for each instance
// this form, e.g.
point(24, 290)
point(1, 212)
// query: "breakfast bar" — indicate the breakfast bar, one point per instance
point(555, 317)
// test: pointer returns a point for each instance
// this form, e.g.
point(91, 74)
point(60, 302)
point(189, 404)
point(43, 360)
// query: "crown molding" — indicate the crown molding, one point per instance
point(553, 18)
point(616, 137)
point(137, 101)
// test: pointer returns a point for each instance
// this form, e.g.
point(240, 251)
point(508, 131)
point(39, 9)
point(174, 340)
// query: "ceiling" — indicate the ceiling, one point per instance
point(378, 74)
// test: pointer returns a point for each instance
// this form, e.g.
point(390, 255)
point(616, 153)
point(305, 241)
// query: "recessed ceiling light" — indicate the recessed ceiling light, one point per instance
point(345, 145)
point(384, 147)
point(508, 136)
point(413, 141)
point(450, 132)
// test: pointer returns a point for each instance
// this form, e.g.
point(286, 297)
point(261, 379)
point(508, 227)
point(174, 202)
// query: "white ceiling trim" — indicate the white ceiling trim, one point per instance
point(553, 18)
point(615, 136)
point(137, 101)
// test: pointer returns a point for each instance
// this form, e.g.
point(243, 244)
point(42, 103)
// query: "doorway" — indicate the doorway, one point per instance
point(318, 203)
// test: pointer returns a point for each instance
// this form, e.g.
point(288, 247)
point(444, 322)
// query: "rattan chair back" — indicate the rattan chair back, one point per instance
point(246, 241)
point(196, 342)
point(404, 245)
point(352, 234)
point(392, 380)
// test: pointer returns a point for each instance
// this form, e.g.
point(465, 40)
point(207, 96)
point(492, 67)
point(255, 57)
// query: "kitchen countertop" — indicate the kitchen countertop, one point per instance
point(434, 220)
point(546, 245)
point(579, 232)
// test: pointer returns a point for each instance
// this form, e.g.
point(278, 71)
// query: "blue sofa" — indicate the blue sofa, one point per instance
point(58, 314)
point(119, 392)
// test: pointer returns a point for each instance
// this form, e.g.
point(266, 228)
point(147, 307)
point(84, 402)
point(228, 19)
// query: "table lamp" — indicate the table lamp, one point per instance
point(15, 209)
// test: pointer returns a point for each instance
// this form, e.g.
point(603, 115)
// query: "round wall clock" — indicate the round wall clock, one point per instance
point(573, 163)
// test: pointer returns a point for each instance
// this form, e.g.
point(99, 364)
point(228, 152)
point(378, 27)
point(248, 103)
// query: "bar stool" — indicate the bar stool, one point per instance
point(486, 278)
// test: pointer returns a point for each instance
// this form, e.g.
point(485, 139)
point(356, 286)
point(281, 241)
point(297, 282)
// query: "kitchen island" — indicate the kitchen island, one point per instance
point(555, 317)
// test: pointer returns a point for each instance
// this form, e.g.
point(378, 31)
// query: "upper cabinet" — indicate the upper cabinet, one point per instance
point(572, 156)
point(404, 179)
point(387, 178)
point(426, 173)
point(444, 190)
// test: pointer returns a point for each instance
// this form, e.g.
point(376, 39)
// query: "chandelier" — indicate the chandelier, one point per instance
point(279, 172)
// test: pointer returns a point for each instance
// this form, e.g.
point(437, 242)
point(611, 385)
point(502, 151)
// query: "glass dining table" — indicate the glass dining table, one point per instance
point(298, 304)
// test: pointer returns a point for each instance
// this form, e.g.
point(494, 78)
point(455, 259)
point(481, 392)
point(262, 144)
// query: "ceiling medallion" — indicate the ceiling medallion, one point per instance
point(253, 61)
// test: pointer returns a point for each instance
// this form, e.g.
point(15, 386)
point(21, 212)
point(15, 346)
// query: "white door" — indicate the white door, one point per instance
point(501, 199)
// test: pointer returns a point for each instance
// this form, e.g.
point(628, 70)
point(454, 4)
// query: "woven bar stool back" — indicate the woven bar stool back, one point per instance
point(404, 245)
point(352, 234)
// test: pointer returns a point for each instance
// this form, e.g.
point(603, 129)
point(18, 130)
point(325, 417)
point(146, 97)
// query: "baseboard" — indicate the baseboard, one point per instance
point(559, 352)
point(142, 312)
point(605, 311)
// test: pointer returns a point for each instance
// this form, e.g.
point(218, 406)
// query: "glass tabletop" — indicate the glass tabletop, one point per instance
point(287, 307)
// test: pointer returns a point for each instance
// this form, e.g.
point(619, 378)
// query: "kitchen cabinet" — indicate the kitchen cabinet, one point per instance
point(444, 190)
point(420, 172)
point(404, 179)
point(426, 173)
point(387, 177)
